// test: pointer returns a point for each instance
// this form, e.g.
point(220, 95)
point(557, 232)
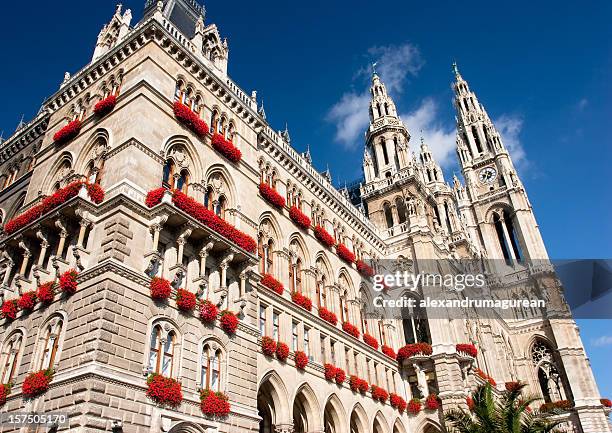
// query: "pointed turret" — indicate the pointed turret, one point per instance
point(113, 32)
point(432, 172)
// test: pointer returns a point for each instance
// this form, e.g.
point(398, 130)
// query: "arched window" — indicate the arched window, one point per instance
point(11, 356)
point(388, 215)
point(447, 215)
point(179, 92)
point(416, 328)
point(549, 372)
point(401, 210)
point(183, 181)
point(386, 109)
point(214, 121)
point(220, 208)
point(51, 339)
point(208, 198)
point(295, 275)
point(168, 175)
point(210, 367)
point(162, 349)
point(384, 150)
point(378, 110)
point(514, 241)
point(476, 139)
point(266, 265)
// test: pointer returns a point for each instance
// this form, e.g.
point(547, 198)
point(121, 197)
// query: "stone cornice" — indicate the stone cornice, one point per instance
point(20, 139)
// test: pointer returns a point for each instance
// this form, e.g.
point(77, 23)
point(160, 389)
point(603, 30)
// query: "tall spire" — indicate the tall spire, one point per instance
point(381, 104)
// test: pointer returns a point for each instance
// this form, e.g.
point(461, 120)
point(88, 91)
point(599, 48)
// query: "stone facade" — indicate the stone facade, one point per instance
point(106, 338)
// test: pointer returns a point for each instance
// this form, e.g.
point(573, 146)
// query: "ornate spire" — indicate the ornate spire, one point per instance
point(285, 134)
point(262, 111)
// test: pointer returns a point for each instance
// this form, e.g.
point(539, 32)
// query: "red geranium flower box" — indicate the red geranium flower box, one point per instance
point(208, 312)
point(364, 269)
point(68, 282)
point(350, 329)
point(485, 376)
point(324, 237)
point(154, 197)
point(301, 360)
point(328, 316)
point(512, 386)
point(370, 341)
point(5, 390)
point(95, 192)
point(226, 148)
point(105, 106)
point(299, 218)
point(389, 352)
point(330, 371)
point(301, 300)
point(397, 402)
point(27, 301)
point(214, 222)
point(340, 376)
point(185, 300)
point(344, 253)
point(45, 292)
point(282, 351)
point(467, 349)
point(432, 402)
point(470, 402)
point(271, 195)
point(414, 349)
point(228, 322)
point(606, 402)
point(214, 403)
point(68, 132)
point(164, 391)
point(379, 394)
point(273, 284)
point(160, 289)
point(190, 119)
point(414, 406)
point(10, 309)
point(36, 384)
point(358, 385)
point(268, 346)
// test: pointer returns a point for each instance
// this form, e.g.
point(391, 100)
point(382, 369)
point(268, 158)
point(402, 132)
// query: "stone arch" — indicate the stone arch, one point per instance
point(334, 416)
point(54, 325)
point(306, 410)
point(11, 354)
point(326, 268)
point(272, 402)
point(344, 276)
point(398, 426)
point(299, 240)
point(168, 328)
point(17, 204)
point(217, 173)
point(59, 171)
point(548, 369)
point(429, 426)
point(89, 151)
point(187, 427)
point(379, 424)
point(358, 422)
point(183, 153)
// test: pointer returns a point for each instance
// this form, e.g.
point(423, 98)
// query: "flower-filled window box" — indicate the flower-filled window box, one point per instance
point(370, 341)
point(389, 352)
point(358, 385)
point(105, 106)
point(164, 391)
point(213, 221)
point(36, 384)
point(470, 403)
point(397, 402)
point(68, 282)
point(324, 237)
point(330, 372)
point(154, 197)
point(364, 269)
point(45, 293)
point(344, 253)
point(268, 346)
point(513, 386)
point(160, 289)
point(350, 329)
point(299, 218)
point(301, 300)
point(208, 312)
point(301, 360)
point(214, 404)
point(185, 300)
point(68, 132)
point(410, 350)
point(414, 406)
point(282, 351)
point(467, 349)
point(328, 316)
point(27, 301)
point(226, 148)
point(340, 376)
point(273, 284)
point(379, 394)
point(228, 322)
point(190, 119)
point(485, 376)
point(95, 192)
point(432, 402)
point(606, 402)
point(10, 309)
point(270, 194)
point(5, 391)
point(561, 405)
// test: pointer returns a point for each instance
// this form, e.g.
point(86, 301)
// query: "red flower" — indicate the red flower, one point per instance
point(512, 386)
point(273, 284)
point(208, 312)
point(468, 349)
point(561, 404)
point(432, 402)
point(228, 322)
point(164, 391)
point(190, 119)
point(282, 351)
point(68, 282)
point(397, 402)
point(226, 148)
point(154, 197)
point(328, 316)
point(364, 269)
point(160, 289)
point(330, 371)
point(10, 309)
point(37, 383)
point(414, 349)
point(470, 402)
point(5, 390)
point(344, 253)
point(45, 292)
point(301, 360)
point(389, 352)
point(363, 386)
point(324, 237)
point(379, 394)
point(214, 403)
point(340, 376)
point(350, 329)
point(301, 300)
point(414, 406)
point(299, 218)
point(214, 222)
point(485, 376)
point(271, 195)
point(606, 402)
point(268, 346)
point(68, 132)
point(370, 341)
point(358, 385)
point(95, 192)
point(27, 301)
point(185, 300)
point(105, 106)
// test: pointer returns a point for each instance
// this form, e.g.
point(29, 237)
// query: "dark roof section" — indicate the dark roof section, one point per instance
point(182, 13)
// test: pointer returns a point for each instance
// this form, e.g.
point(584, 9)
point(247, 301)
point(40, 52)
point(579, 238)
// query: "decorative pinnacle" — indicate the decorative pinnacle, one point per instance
point(374, 68)
point(455, 69)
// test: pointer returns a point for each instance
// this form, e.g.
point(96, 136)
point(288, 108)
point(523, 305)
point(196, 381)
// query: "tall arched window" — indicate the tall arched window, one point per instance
point(447, 215)
point(266, 265)
point(416, 328)
point(384, 150)
point(214, 121)
point(208, 198)
point(388, 215)
point(179, 91)
point(476, 139)
point(183, 181)
point(168, 175)
point(51, 338)
point(210, 367)
point(11, 355)
point(162, 349)
point(220, 207)
point(548, 371)
point(401, 210)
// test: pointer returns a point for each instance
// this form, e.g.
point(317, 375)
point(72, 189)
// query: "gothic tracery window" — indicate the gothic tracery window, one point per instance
point(210, 366)
point(548, 372)
point(11, 355)
point(162, 349)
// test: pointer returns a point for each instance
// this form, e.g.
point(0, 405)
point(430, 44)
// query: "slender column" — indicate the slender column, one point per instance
point(204, 256)
point(507, 237)
point(44, 245)
point(83, 229)
point(60, 224)
point(181, 241)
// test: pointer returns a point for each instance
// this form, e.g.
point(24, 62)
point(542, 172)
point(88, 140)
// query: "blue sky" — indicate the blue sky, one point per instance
point(542, 70)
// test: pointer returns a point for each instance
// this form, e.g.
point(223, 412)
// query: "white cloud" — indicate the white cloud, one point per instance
point(582, 104)
point(604, 340)
point(510, 126)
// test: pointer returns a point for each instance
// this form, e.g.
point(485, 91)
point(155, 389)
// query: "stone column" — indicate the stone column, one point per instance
point(26, 257)
point(84, 223)
point(61, 224)
point(44, 245)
